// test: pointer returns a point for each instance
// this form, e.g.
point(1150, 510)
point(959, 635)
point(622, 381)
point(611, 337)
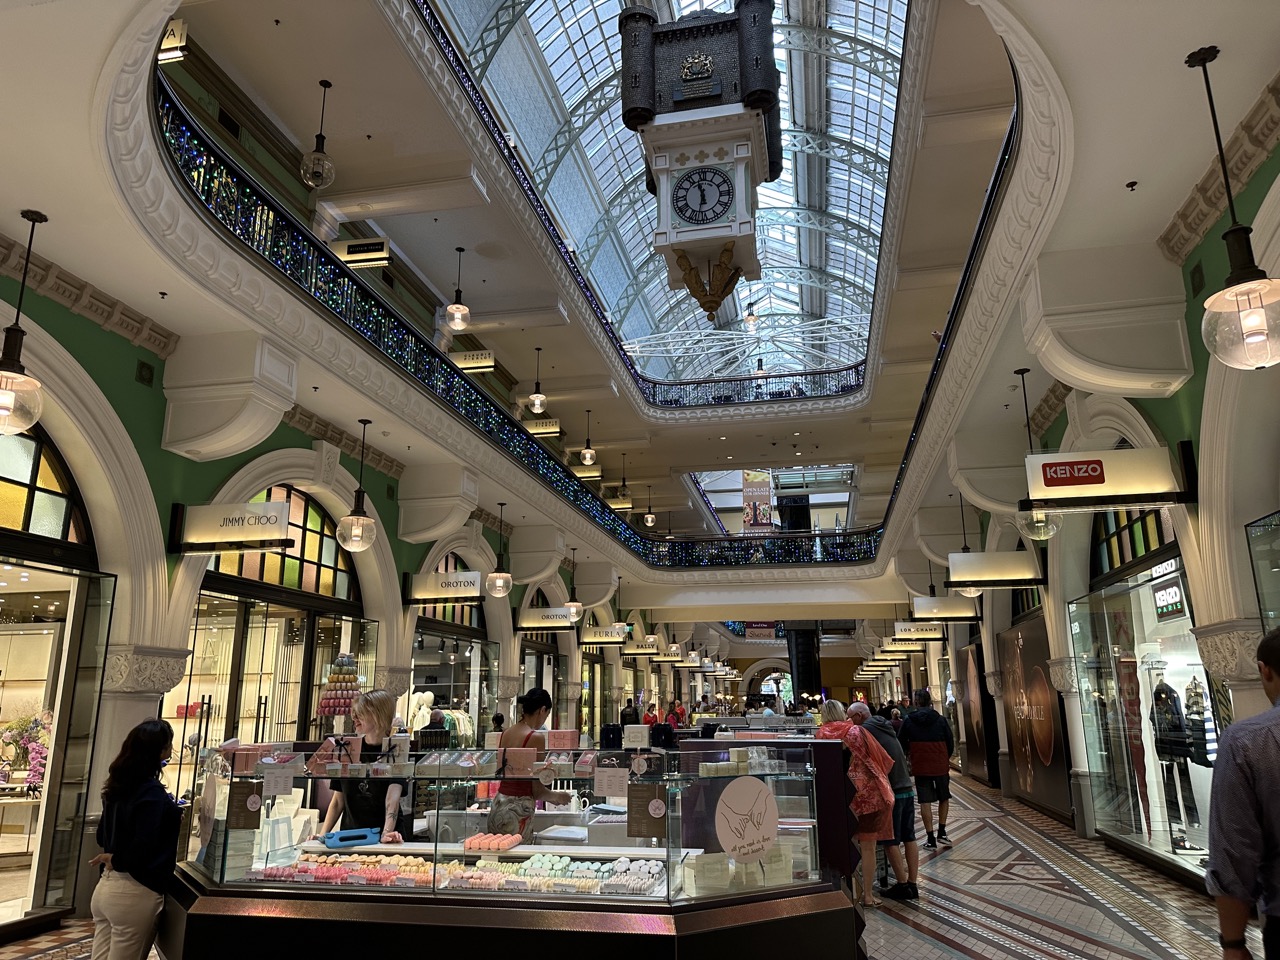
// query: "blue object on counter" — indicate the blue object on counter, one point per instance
point(337, 839)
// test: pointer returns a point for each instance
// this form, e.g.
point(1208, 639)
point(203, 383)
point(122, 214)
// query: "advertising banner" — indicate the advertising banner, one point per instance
point(757, 501)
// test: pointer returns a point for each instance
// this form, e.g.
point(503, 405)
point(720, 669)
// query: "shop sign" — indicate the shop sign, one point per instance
point(761, 631)
point(1101, 473)
point(603, 636)
point(1170, 598)
point(544, 618)
point(435, 587)
point(229, 527)
point(916, 630)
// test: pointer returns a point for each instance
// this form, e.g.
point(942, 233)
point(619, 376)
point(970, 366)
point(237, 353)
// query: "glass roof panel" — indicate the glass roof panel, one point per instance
point(818, 236)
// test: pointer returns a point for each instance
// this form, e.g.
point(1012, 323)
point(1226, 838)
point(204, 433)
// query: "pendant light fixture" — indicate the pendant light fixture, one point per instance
point(964, 535)
point(317, 168)
point(624, 492)
point(457, 313)
point(1241, 324)
point(573, 606)
point(20, 398)
point(650, 518)
point(588, 455)
point(357, 531)
point(670, 535)
point(619, 622)
point(750, 320)
point(499, 583)
point(760, 371)
point(943, 609)
point(538, 399)
point(1034, 524)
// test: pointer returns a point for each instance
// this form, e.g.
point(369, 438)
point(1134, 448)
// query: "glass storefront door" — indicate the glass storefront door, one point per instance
point(1149, 712)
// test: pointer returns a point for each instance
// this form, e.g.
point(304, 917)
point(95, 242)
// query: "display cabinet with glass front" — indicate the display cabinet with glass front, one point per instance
point(642, 826)
point(1263, 537)
point(1151, 713)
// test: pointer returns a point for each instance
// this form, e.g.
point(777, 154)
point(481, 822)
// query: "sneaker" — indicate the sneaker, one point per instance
point(930, 843)
point(903, 891)
point(943, 838)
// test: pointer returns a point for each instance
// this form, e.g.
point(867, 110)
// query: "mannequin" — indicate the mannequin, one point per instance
point(1200, 726)
point(1173, 747)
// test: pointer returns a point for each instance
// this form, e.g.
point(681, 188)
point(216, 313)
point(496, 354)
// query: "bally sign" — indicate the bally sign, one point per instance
point(544, 618)
point(228, 527)
point(1058, 478)
point(459, 585)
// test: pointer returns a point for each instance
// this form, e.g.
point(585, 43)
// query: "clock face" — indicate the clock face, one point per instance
point(703, 195)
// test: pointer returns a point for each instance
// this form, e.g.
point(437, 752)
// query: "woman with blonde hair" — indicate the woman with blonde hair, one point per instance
point(871, 796)
point(367, 802)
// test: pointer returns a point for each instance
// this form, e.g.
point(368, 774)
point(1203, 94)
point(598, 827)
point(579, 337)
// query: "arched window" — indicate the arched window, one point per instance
point(314, 564)
point(37, 494)
point(1121, 537)
point(462, 614)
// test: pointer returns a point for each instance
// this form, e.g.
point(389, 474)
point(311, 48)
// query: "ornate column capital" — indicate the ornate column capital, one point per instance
point(1064, 674)
point(508, 688)
point(1229, 649)
point(572, 689)
point(995, 683)
point(133, 668)
point(395, 680)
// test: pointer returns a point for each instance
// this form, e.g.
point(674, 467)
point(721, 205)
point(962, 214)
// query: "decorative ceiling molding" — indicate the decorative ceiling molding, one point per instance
point(80, 297)
point(314, 425)
point(1250, 144)
point(1049, 408)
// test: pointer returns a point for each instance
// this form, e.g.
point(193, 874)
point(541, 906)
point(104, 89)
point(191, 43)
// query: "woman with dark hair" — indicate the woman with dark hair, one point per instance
point(138, 834)
point(512, 809)
point(498, 721)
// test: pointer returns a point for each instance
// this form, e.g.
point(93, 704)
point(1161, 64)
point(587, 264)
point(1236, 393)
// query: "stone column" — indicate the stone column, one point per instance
point(134, 679)
point(1229, 651)
point(508, 690)
point(1008, 776)
point(1064, 674)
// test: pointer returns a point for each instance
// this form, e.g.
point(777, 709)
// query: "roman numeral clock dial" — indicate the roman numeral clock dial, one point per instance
point(703, 195)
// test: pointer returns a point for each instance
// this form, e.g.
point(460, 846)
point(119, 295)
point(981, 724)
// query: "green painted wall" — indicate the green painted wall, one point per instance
point(1178, 417)
point(1051, 439)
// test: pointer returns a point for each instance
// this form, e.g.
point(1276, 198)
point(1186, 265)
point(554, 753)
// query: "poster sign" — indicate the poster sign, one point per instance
point(747, 820)
point(244, 805)
point(544, 618)
point(647, 811)
point(761, 630)
point(459, 585)
point(1033, 719)
point(757, 501)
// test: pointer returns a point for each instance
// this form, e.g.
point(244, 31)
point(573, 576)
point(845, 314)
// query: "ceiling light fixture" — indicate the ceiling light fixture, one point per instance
point(357, 531)
point(20, 398)
point(1034, 524)
point(750, 320)
point(317, 167)
point(619, 621)
point(574, 606)
point(760, 371)
point(1241, 324)
point(964, 535)
point(650, 518)
point(670, 535)
point(588, 455)
point(457, 314)
point(624, 492)
point(499, 583)
point(538, 399)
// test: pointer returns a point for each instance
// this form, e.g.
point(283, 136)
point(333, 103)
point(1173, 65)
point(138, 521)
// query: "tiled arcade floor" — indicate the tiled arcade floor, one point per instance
point(1016, 884)
point(1019, 884)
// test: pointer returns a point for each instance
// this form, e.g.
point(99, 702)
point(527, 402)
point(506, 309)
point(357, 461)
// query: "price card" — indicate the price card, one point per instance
point(276, 782)
point(253, 875)
point(643, 801)
point(611, 782)
point(559, 886)
point(244, 805)
point(354, 879)
point(304, 878)
point(516, 883)
point(404, 882)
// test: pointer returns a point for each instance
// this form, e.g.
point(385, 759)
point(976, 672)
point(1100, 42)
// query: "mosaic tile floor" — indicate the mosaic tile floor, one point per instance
point(1017, 884)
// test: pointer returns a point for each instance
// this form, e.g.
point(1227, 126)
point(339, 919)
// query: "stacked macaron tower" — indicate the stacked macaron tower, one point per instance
point(341, 687)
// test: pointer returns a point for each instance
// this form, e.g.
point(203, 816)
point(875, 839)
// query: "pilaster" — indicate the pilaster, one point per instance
point(395, 680)
point(1229, 651)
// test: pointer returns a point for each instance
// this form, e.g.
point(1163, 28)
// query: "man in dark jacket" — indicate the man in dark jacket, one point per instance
point(904, 807)
point(926, 737)
point(630, 714)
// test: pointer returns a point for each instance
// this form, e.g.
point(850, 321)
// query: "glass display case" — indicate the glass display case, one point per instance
point(1263, 537)
point(710, 820)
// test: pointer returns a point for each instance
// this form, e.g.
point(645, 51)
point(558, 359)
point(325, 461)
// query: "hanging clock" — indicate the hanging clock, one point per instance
point(703, 195)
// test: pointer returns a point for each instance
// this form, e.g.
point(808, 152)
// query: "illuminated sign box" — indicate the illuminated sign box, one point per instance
point(461, 586)
point(473, 361)
point(1085, 481)
point(229, 527)
point(913, 630)
point(547, 427)
point(945, 609)
point(584, 472)
point(994, 569)
point(544, 618)
point(604, 637)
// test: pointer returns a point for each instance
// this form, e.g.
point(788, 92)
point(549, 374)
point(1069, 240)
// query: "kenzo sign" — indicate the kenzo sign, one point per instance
point(1073, 473)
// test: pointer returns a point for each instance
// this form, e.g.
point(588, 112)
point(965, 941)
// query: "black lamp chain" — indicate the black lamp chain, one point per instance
point(364, 430)
point(324, 99)
point(1202, 59)
point(964, 533)
point(1022, 375)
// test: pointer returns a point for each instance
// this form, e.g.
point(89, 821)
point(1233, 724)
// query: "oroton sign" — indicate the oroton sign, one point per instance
point(1073, 473)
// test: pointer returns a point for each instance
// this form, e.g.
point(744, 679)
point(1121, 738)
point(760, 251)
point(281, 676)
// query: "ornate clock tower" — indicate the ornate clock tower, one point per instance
point(702, 92)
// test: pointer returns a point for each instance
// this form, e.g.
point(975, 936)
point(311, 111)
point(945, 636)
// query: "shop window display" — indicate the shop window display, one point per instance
point(1264, 551)
point(1151, 712)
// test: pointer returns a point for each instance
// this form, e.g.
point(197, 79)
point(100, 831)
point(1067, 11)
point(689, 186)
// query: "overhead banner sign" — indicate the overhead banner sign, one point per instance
point(457, 587)
point(951, 609)
point(757, 502)
point(1100, 475)
point(761, 630)
point(603, 636)
point(994, 569)
point(229, 527)
point(913, 630)
point(544, 618)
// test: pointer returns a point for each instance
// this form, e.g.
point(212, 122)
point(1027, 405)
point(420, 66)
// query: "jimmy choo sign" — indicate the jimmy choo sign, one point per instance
point(228, 527)
point(544, 618)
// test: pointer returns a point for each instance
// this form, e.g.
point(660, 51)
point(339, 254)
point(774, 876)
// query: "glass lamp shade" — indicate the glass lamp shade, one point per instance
point(651, 639)
point(588, 456)
point(969, 591)
point(624, 492)
point(356, 532)
point(457, 314)
point(575, 610)
point(537, 402)
point(650, 519)
point(498, 583)
point(1241, 325)
point(317, 170)
point(21, 403)
point(1038, 524)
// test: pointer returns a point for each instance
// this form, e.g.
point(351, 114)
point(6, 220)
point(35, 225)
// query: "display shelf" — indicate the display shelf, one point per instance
point(454, 851)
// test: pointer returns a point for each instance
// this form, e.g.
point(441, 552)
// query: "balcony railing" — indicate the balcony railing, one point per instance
point(248, 212)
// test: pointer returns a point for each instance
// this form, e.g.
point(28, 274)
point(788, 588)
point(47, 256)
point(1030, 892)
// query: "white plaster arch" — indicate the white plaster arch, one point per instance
point(1239, 457)
point(767, 665)
point(123, 515)
point(376, 568)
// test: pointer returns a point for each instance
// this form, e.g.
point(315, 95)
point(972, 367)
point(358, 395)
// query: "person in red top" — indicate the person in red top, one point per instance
point(651, 715)
point(512, 809)
point(926, 738)
point(681, 714)
point(673, 713)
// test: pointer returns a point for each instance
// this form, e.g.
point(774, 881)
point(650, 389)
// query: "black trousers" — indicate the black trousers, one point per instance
point(1271, 938)
point(1176, 771)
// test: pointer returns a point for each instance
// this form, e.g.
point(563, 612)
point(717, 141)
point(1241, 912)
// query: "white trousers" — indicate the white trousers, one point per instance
point(124, 918)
